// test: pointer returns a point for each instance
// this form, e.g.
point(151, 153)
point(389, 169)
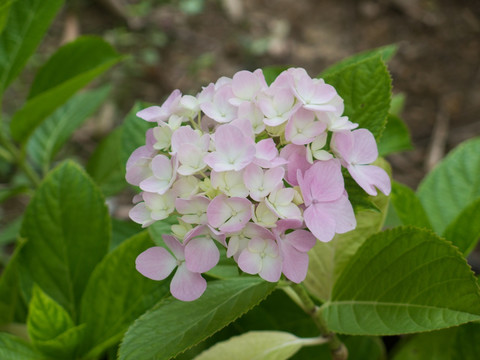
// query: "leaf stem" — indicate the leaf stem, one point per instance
point(19, 158)
point(337, 349)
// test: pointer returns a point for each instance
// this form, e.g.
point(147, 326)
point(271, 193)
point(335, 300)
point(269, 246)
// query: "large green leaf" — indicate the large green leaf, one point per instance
point(256, 345)
point(408, 207)
point(72, 67)
point(384, 52)
point(50, 327)
point(14, 348)
point(134, 129)
point(24, 29)
point(395, 137)
point(173, 326)
point(10, 232)
point(365, 87)
point(452, 185)
point(464, 230)
point(122, 230)
point(105, 166)
point(117, 294)
point(9, 288)
point(401, 281)
point(327, 260)
point(49, 137)
point(67, 228)
point(458, 343)
point(4, 11)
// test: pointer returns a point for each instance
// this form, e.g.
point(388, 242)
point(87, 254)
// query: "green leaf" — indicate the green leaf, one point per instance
point(365, 87)
point(122, 230)
point(14, 348)
point(256, 345)
point(464, 231)
point(133, 134)
point(67, 229)
point(105, 165)
point(397, 104)
point(27, 22)
point(117, 294)
point(187, 323)
point(50, 136)
point(452, 185)
point(458, 343)
point(72, 67)
point(327, 260)
point(384, 52)
point(50, 327)
point(9, 288)
point(365, 347)
point(401, 281)
point(408, 207)
point(4, 11)
point(395, 137)
point(10, 232)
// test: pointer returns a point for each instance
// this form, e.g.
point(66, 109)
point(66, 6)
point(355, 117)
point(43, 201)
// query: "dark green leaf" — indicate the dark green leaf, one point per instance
point(67, 229)
point(452, 185)
point(72, 67)
point(458, 343)
point(271, 72)
point(26, 24)
point(4, 11)
point(365, 87)
point(408, 207)
point(9, 289)
point(14, 348)
point(395, 137)
point(402, 281)
point(464, 230)
point(122, 230)
point(105, 165)
point(117, 294)
point(184, 324)
point(384, 52)
point(10, 232)
point(50, 136)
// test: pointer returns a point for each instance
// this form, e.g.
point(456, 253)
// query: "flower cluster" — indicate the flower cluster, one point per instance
point(256, 169)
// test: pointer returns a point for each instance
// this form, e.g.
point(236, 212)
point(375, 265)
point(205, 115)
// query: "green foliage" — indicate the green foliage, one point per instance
point(408, 207)
point(9, 289)
point(452, 185)
point(464, 230)
point(256, 345)
point(14, 348)
point(116, 295)
point(458, 343)
point(222, 302)
point(401, 281)
point(72, 67)
point(24, 27)
point(67, 229)
point(395, 137)
point(365, 87)
point(52, 134)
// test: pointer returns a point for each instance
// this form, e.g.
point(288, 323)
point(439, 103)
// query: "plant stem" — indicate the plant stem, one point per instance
point(337, 349)
point(19, 159)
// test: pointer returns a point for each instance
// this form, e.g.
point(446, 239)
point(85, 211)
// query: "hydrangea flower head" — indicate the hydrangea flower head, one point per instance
point(252, 168)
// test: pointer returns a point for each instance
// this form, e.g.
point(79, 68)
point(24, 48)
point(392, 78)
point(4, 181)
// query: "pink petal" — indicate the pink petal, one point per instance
point(271, 268)
point(302, 240)
point(201, 254)
point(296, 155)
point(251, 263)
point(320, 223)
point(365, 147)
point(324, 180)
point(295, 263)
point(218, 211)
point(342, 144)
point(287, 224)
point(155, 263)
point(141, 215)
point(175, 246)
point(183, 135)
point(369, 177)
point(187, 285)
